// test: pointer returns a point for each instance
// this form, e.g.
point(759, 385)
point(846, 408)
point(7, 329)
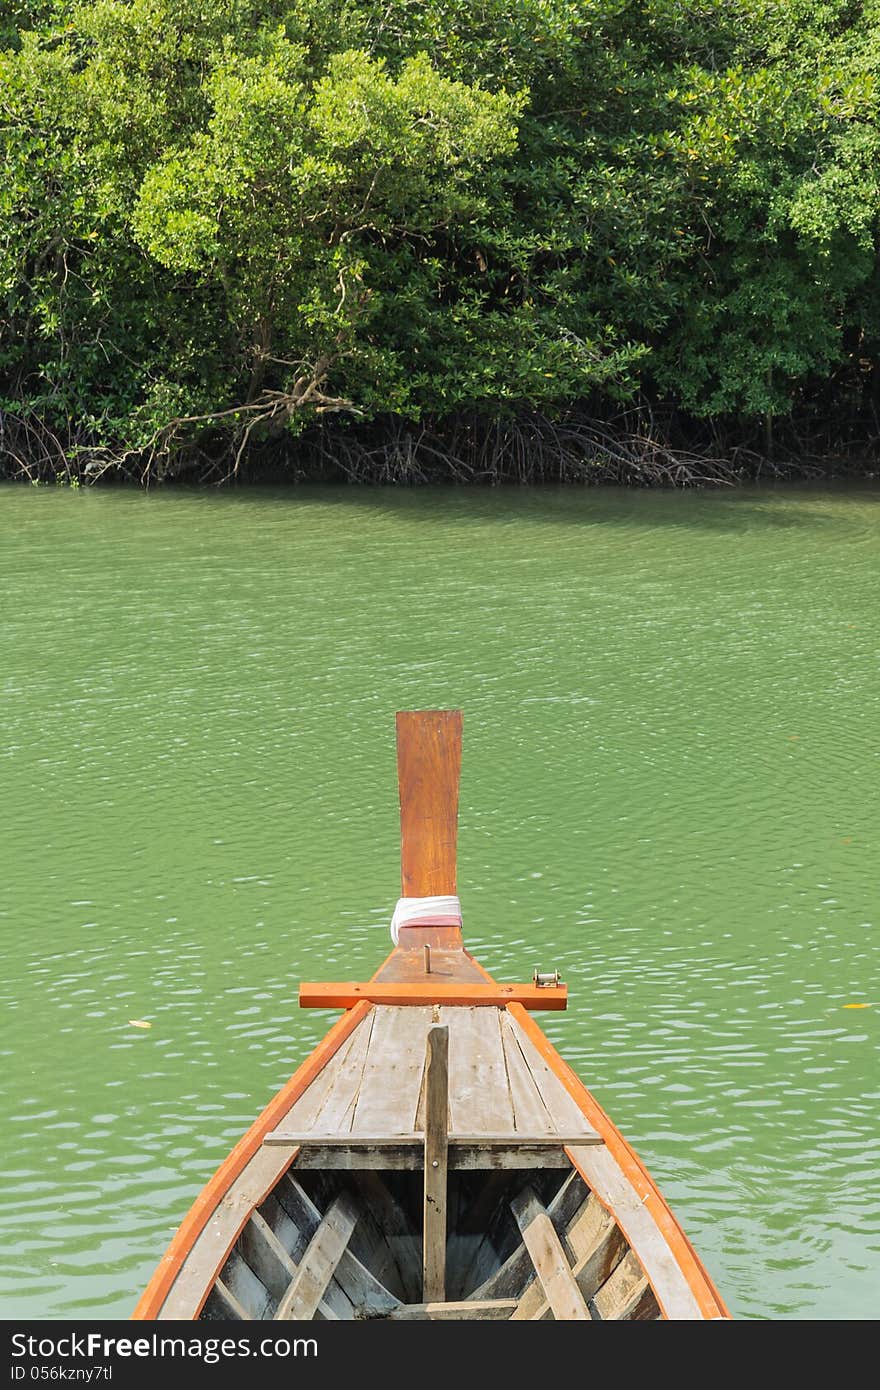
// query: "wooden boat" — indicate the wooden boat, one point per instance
point(434, 1157)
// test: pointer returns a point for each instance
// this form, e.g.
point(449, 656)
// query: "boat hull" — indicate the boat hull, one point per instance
point(342, 1146)
point(434, 1157)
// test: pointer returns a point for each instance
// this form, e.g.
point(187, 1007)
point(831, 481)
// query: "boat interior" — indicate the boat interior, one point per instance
point(528, 1243)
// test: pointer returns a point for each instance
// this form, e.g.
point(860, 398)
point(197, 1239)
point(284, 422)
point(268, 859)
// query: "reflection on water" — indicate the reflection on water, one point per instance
point(669, 792)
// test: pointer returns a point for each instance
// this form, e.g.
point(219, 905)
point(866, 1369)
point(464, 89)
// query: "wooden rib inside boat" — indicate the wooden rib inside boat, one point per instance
point(434, 1157)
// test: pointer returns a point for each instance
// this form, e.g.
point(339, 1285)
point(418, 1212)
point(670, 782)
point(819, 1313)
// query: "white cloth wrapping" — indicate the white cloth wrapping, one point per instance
point(410, 911)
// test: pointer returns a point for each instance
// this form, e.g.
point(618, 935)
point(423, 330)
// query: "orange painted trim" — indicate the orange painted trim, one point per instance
point(699, 1281)
point(154, 1295)
point(439, 938)
point(343, 994)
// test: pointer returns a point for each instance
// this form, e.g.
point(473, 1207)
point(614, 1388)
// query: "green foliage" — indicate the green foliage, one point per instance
point(218, 221)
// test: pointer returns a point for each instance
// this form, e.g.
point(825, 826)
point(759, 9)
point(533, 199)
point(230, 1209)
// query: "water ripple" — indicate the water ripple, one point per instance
point(669, 792)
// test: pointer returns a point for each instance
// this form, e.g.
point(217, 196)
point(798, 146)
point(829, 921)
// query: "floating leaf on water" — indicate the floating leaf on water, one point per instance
point(139, 1023)
point(794, 738)
point(856, 1006)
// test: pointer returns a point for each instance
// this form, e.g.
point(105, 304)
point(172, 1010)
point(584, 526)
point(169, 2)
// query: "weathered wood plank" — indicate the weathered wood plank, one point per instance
point(563, 1109)
point(548, 1257)
point(530, 1114)
point(391, 1157)
point(592, 1267)
point(392, 1074)
point(479, 1096)
point(488, 1310)
point(626, 1295)
point(318, 1264)
point(604, 1175)
point(428, 774)
point(511, 1278)
point(637, 1207)
point(436, 1149)
point(587, 1224)
point(272, 1263)
point(303, 1112)
point(294, 1211)
point(262, 1250)
point(336, 1111)
point(219, 1234)
point(354, 1288)
point(294, 1236)
point(415, 1139)
point(596, 1265)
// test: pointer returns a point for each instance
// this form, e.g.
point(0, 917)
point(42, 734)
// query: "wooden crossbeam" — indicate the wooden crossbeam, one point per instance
point(271, 1261)
point(595, 1244)
point(312, 1139)
point(319, 1261)
point(548, 1257)
point(409, 1157)
point(344, 994)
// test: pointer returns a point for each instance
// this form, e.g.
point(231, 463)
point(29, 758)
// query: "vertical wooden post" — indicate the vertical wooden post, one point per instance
point(428, 772)
point(436, 1154)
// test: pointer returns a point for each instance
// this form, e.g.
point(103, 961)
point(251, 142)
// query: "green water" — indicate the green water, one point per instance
point(669, 792)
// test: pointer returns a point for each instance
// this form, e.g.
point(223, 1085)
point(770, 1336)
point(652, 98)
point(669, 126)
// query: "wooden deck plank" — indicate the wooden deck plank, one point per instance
point(336, 1112)
point(303, 1112)
point(479, 1095)
point(548, 1257)
point(563, 1109)
point(392, 1074)
point(529, 1111)
point(319, 1262)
